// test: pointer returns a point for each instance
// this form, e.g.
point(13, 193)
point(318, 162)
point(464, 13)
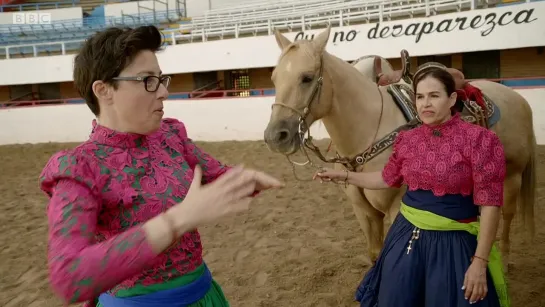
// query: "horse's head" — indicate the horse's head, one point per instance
point(303, 91)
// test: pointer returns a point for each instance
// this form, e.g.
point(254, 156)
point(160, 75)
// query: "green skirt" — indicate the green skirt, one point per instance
point(213, 298)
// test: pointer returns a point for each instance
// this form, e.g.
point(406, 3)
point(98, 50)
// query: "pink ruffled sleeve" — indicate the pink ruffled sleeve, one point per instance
point(391, 174)
point(79, 267)
point(211, 167)
point(488, 169)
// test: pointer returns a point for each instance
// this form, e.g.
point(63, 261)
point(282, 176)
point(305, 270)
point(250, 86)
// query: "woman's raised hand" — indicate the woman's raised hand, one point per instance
point(230, 193)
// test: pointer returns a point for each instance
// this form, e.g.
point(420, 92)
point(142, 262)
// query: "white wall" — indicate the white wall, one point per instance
point(196, 8)
point(206, 120)
point(494, 30)
point(131, 8)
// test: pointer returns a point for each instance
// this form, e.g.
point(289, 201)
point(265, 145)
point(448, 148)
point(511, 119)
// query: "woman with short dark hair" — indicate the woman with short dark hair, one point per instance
point(125, 205)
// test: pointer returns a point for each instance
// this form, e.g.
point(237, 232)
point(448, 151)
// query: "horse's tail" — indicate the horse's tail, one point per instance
point(528, 189)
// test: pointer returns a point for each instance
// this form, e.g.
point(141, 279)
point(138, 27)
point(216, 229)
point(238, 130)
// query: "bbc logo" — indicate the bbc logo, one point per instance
point(31, 18)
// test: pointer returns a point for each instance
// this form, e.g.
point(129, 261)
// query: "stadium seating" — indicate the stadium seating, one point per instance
point(262, 17)
point(35, 5)
point(67, 35)
point(258, 17)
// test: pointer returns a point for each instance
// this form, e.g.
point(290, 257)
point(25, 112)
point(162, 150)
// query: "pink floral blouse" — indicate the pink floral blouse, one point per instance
point(100, 194)
point(464, 159)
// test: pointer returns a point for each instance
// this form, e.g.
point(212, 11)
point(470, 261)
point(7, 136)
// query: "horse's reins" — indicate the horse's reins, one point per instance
point(304, 128)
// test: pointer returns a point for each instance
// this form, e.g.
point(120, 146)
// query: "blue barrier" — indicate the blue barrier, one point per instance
point(99, 13)
point(178, 96)
point(75, 100)
point(523, 82)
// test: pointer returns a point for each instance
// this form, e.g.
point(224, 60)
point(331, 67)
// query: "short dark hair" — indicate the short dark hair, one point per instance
point(105, 54)
point(441, 75)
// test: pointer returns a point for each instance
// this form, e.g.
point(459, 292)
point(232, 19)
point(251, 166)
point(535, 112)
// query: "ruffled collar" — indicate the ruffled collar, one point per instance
point(109, 137)
point(439, 129)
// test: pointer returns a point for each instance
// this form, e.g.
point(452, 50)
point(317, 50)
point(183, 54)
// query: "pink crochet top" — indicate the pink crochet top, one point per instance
point(465, 159)
point(102, 192)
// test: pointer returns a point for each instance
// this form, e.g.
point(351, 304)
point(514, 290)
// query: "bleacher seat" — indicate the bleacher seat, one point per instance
point(253, 18)
point(68, 35)
point(262, 17)
point(38, 5)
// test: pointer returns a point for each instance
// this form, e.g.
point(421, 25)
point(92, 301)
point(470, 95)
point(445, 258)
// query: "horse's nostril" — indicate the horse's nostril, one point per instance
point(282, 136)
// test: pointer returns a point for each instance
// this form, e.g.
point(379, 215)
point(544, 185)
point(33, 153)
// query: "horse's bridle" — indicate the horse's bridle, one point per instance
point(306, 142)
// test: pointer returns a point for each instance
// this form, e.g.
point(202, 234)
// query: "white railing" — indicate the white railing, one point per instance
point(337, 14)
point(257, 6)
point(298, 9)
point(367, 11)
point(252, 5)
point(36, 47)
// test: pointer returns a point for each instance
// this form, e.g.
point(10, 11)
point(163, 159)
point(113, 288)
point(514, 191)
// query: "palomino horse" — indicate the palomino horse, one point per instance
point(363, 120)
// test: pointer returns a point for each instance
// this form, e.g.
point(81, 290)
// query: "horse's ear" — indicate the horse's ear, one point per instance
point(321, 40)
point(281, 40)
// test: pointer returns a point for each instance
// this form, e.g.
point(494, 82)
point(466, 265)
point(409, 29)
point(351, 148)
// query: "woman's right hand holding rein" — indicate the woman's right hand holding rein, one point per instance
point(230, 193)
point(365, 180)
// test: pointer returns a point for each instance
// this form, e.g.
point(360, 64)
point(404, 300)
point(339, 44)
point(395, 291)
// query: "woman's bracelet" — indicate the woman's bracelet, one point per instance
point(346, 178)
point(485, 260)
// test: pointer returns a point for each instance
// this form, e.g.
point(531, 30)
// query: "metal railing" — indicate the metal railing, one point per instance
point(251, 5)
point(274, 11)
point(77, 24)
point(260, 6)
point(333, 12)
point(203, 93)
point(338, 13)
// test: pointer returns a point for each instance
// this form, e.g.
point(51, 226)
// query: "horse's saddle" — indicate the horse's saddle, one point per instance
point(387, 78)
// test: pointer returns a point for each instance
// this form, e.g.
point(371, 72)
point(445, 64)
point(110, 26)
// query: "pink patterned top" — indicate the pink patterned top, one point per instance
point(102, 192)
point(465, 159)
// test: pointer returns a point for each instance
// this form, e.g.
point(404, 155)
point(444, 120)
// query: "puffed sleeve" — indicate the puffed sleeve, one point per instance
point(488, 169)
point(80, 268)
point(211, 167)
point(391, 174)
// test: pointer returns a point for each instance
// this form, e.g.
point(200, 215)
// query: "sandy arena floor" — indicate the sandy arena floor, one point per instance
point(298, 247)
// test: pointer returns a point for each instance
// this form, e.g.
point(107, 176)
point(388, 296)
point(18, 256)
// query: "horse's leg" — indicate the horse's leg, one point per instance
point(511, 196)
point(371, 221)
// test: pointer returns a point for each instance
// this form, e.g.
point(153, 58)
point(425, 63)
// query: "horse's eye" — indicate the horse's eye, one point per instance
point(307, 79)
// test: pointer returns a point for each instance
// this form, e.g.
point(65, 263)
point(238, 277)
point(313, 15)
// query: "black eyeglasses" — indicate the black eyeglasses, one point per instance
point(151, 83)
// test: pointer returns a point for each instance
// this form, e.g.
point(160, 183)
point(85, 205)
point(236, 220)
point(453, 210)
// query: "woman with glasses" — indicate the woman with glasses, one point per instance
point(124, 206)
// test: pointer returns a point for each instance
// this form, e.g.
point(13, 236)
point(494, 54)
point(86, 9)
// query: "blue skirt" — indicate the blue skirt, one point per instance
point(432, 273)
